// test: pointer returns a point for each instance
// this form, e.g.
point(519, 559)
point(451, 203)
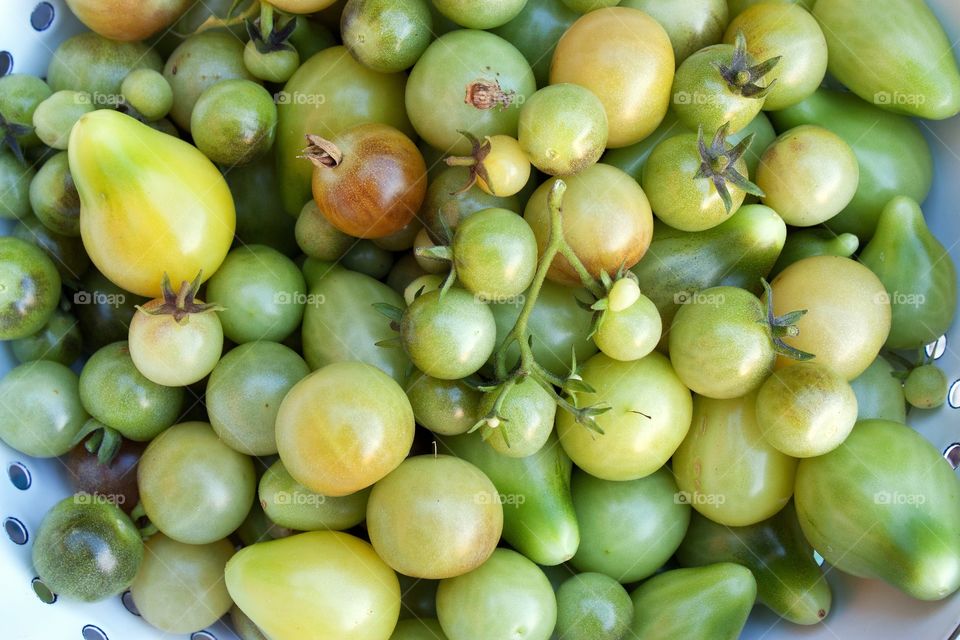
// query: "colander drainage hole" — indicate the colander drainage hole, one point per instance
point(19, 475)
point(16, 531)
point(43, 591)
point(91, 632)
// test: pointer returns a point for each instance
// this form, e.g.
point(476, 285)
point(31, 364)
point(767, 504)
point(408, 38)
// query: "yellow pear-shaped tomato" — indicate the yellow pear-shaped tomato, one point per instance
point(150, 203)
point(323, 585)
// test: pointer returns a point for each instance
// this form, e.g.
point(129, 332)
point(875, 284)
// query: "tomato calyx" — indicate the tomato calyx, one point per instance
point(784, 326)
point(322, 152)
point(10, 131)
point(268, 37)
point(486, 94)
point(478, 153)
point(719, 165)
point(742, 75)
point(142, 522)
point(99, 439)
point(180, 304)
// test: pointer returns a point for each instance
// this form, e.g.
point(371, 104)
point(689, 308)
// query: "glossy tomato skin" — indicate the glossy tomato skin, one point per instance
point(434, 517)
point(180, 586)
point(344, 427)
point(152, 204)
point(593, 606)
point(485, 81)
point(625, 57)
point(650, 416)
point(377, 186)
point(495, 254)
point(529, 412)
point(172, 353)
point(328, 94)
point(290, 504)
point(563, 128)
point(385, 35)
point(87, 549)
point(320, 582)
point(726, 470)
point(691, 25)
point(29, 288)
point(505, 597)
point(194, 488)
point(606, 220)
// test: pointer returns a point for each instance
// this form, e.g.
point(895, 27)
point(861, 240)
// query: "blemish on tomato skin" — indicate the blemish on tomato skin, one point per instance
point(487, 94)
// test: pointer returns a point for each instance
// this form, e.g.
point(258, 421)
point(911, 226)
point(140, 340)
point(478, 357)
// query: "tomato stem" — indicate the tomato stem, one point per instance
point(266, 19)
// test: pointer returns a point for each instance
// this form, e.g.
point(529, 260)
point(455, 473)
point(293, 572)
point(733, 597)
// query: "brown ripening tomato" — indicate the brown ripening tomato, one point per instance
point(368, 181)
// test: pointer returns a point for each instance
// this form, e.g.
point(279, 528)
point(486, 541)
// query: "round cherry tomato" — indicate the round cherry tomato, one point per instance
point(434, 517)
point(625, 57)
point(593, 606)
point(234, 121)
point(59, 340)
point(41, 412)
point(691, 25)
point(487, 15)
point(527, 416)
point(115, 481)
point(446, 407)
point(193, 487)
point(563, 129)
point(606, 220)
point(631, 333)
point(344, 427)
point(87, 549)
point(926, 387)
point(495, 254)
point(386, 35)
point(29, 288)
point(290, 504)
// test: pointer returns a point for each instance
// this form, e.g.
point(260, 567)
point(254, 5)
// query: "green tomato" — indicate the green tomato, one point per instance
point(790, 32)
point(322, 583)
point(368, 258)
point(15, 180)
point(290, 504)
point(193, 487)
point(449, 336)
point(330, 93)
point(739, 6)
point(702, 96)
point(54, 118)
point(586, 6)
point(233, 121)
point(606, 222)
point(259, 220)
point(926, 387)
point(93, 63)
point(488, 15)
point(347, 326)
point(649, 417)
point(720, 343)
point(180, 588)
point(434, 517)
point(593, 606)
point(67, 253)
point(418, 629)
point(526, 419)
point(690, 25)
point(271, 66)
point(344, 427)
point(892, 153)
point(244, 393)
point(632, 158)
point(41, 413)
point(677, 196)
point(563, 129)
point(806, 410)
point(385, 35)
point(201, 61)
point(808, 174)
point(171, 352)
point(879, 394)
point(535, 32)
point(495, 254)
point(506, 597)
point(147, 91)
point(20, 93)
point(632, 333)
point(29, 288)
point(317, 238)
point(446, 204)
point(805, 243)
point(885, 504)
point(628, 529)
point(263, 294)
point(59, 340)
point(485, 81)
point(54, 198)
point(114, 392)
point(87, 550)
point(911, 70)
point(446, 407)
point(726, 469)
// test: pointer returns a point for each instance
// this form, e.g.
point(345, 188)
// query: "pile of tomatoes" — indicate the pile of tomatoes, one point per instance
point(585, 319)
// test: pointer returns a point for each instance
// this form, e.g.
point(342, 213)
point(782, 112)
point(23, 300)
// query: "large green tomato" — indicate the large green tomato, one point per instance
point(625, 57)
point(628, 529)
point(726, 470)
point(179, 587)
point(193, 487)
point(344, 427)
point(471, 81)
point(885, 504)
point(331, 92)
point(434, 517)
point(649, 417)
point(506, 597)
point(41, 412)
point(879, 394)
point(320, 584)
point(691, 25)
point(341, 324)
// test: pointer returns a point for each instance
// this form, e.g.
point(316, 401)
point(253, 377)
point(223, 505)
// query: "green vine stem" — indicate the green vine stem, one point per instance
point(139, 517)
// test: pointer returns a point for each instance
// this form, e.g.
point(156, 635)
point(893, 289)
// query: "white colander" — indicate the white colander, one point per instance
point(29, 33)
